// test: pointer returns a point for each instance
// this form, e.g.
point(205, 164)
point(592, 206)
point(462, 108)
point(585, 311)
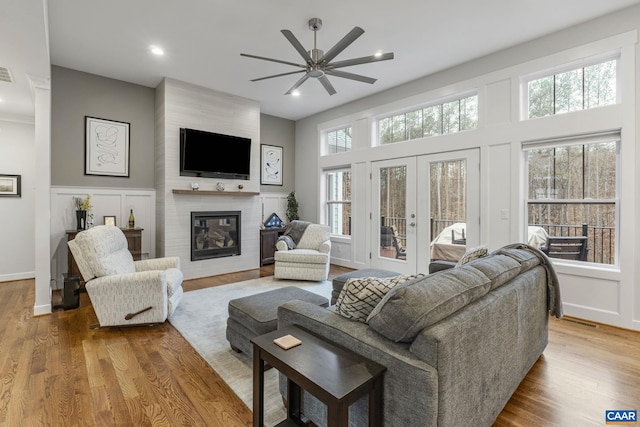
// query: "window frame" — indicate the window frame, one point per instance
point(328, 203)
point(564, 68)
point(584, 140)
point(325, 139)
point(441, 102)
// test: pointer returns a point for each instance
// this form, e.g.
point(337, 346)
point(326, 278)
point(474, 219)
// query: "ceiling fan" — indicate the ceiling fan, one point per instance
point(318, 64)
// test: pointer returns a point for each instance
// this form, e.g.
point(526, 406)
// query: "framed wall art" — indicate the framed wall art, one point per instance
point(270, 165)
point(10, 186)
point(106, 147)
point(110, 220)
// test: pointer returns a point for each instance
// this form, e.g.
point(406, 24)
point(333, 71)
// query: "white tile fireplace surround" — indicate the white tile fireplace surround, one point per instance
point(178, 231)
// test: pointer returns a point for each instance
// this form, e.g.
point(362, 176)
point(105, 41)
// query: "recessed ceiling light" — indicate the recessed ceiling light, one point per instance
point(295, 93)
point(156, 50)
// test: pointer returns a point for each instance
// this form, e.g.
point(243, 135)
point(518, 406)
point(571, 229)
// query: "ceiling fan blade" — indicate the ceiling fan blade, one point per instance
point(362, 60)
point(298, 83)
point(351, 76)
point(273, 60)
point(342, 45)
point(297, 45)
point(278, 75)
point(327, 85)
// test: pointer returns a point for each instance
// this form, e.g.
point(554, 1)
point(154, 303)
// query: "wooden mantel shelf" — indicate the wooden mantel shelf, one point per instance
point(216, 193)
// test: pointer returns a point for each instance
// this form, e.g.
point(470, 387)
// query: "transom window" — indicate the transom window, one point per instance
point(574, 90)
point(440, 119)
point(572, 192)
point(338, 202)
point(339, 140)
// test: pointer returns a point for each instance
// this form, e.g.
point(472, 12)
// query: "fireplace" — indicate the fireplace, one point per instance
point(215, 234)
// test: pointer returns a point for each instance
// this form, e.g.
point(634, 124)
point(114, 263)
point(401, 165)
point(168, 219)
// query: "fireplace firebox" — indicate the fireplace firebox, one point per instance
point(215, 234)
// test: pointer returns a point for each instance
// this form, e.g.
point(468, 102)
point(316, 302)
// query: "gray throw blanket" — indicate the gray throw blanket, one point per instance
point(554, 302)
point(294, 233)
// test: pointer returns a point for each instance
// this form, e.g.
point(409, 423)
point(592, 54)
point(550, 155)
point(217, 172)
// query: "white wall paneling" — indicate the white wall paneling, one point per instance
point(273, 203)
point(105, 201)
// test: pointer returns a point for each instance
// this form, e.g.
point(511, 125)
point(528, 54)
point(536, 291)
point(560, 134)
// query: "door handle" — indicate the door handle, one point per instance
point(413, 224)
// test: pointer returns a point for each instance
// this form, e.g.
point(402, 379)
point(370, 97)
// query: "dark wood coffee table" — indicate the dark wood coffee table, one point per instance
point(336, 376)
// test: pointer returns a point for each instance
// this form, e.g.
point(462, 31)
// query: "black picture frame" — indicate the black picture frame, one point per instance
point(107, 147)
point(271, 159)
point(10, 185)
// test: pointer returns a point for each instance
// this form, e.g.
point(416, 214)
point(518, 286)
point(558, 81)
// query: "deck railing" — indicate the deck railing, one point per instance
point(600, 240)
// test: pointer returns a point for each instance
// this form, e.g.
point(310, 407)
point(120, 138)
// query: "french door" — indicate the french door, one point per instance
point(424, 207)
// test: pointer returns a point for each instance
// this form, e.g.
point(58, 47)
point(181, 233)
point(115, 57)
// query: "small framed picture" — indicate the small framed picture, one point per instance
point(10, 186)
point(271, 165)
point(110, 220)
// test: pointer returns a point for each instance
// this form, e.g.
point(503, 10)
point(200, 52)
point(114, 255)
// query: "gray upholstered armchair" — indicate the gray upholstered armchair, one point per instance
point(309, 260)
point(124, 291)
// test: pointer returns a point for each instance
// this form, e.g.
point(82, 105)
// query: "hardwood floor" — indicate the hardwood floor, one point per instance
point(56, 371)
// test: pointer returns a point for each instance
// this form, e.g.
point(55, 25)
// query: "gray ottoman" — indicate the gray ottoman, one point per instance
point(257, 314)
point(339, 281)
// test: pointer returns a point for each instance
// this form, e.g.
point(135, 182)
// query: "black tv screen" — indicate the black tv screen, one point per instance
point(213, 155)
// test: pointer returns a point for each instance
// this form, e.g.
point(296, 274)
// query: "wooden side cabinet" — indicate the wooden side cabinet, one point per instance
point(134, 242)
point(268, 239)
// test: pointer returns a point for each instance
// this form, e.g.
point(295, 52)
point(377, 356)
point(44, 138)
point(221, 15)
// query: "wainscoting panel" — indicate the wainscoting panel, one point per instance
point(116, 202)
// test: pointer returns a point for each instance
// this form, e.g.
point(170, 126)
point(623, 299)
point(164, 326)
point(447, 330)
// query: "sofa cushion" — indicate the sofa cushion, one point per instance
point(498, 268)
point(410, 307)
point(473, 254)
point(302, 256)
point(359, 296)
point(526, 258)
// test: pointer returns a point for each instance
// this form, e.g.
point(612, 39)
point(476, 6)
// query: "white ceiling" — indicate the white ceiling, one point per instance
point(24, 51)
point(203, 40)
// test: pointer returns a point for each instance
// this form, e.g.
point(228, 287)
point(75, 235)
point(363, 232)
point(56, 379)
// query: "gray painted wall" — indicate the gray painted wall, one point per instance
point(280, 132)
point(74, 95)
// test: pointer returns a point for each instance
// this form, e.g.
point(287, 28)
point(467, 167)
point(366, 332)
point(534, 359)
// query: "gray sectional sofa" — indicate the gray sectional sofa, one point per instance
point(456, 344)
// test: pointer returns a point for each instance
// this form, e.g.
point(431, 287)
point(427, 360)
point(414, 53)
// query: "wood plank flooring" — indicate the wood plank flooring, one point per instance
point(56, 371)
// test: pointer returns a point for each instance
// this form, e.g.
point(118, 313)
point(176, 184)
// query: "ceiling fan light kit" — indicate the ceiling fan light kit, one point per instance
point(318, 63)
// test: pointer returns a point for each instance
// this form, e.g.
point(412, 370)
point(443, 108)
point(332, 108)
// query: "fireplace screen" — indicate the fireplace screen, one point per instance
point(215, 234)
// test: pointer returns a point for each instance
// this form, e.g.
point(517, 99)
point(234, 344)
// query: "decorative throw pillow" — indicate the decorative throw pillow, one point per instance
point(472, 254)
point(359, 296)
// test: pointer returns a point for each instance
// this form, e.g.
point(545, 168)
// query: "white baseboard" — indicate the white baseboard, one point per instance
point(17, 276)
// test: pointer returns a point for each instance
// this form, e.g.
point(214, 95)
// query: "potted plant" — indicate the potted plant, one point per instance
point(292, 207)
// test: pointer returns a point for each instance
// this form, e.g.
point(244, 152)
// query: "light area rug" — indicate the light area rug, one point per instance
point(201, 318)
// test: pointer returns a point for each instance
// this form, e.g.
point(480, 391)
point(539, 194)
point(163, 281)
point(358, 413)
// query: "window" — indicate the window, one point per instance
point(339, 140)
point(572, 191)
point(439, 119)
point(339, 201)
point(578, 89)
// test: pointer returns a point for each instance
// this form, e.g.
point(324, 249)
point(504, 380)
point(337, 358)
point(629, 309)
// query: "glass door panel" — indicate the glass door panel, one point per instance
point(449, 198)
point(393, 246)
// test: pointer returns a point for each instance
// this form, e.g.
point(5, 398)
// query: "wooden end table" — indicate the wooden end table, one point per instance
point(336, 376)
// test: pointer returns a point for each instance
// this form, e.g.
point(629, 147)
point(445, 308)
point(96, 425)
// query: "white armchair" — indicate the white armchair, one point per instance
point(310, 258)
point(124, 291)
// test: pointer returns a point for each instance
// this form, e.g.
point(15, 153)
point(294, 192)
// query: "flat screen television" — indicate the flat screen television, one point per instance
point(213, 155)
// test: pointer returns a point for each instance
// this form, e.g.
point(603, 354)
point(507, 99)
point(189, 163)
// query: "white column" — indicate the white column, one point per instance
point(42, 98)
